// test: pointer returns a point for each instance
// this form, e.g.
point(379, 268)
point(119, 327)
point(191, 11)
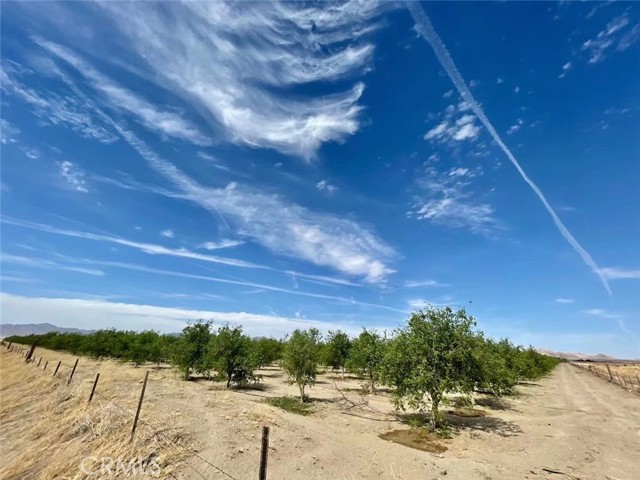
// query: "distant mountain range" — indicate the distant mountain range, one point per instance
point(576, 356)
point(9, 329)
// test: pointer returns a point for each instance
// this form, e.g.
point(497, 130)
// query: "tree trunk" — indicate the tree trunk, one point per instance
point(301, 387)
point(435, 401)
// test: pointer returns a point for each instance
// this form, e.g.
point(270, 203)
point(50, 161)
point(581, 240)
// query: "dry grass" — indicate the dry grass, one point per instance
point(629, 373)
point(48, 427)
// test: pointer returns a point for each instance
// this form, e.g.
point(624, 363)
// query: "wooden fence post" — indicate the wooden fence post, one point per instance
point(620, 381)
point(610, 374)
point(94, 387)
point(135, 420)
point(45, 366)
point(264, 453)
point(73, 370)
point(56, 370)
point(30, 352)
point(39, 361)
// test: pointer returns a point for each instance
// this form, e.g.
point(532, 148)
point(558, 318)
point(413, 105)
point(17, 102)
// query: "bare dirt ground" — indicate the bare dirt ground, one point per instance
point(571, 422)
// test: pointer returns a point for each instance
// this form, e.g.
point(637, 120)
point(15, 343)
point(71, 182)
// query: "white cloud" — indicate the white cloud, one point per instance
point(424, 283)
point(499, 80)
point(55, 108)
point(517, 89)
point(259, 50)
point(224, 243)
point(96, 313)
point(515, 127)
point(614, 273)
point(450, 202)
point(8, 132)
point(282, 227)
point(448, 94)
point(168, 233)
point(565, 300)
point(455, 126)
point(73, 175)
point(615, 34)
point(42, 263)
point(152, 249)
point(228, 281)
point(322, 185)
point(422, 303)
point(565, 69)
point(162, 121)
point(599, 312)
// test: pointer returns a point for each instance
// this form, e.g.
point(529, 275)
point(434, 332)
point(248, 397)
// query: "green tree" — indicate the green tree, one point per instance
point(229, 353)
point(190, 350)
point(300, 358)
point(492, 368)
point(266, 351)
point(337, 350)
point(366, 355)
point(431, 355)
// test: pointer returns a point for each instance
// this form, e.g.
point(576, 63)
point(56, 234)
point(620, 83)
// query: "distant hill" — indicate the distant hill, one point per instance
point(9, 329)
point(575, 356)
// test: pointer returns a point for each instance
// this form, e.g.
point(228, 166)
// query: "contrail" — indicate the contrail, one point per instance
point(426, 30)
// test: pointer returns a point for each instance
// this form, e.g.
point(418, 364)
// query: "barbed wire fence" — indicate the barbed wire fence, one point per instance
point(28, 356)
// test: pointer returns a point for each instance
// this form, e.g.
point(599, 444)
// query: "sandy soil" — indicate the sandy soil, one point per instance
point(571, 422)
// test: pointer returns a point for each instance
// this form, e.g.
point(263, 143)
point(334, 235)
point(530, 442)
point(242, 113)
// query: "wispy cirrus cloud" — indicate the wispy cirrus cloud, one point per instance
point(425, 29)
point(153, 249)
point(239, 282)
point(283, 227)
point(448, 200)
point(53, 108)
point(600, 312)
point(259, 50)
point(424, 283)
point(615, 273)
point(565, 300)
point(163, 121)
point(168, 233)
point(8, 132)
point(614, 36)
point(73, 175)
point(224, 243)
point(43, 263)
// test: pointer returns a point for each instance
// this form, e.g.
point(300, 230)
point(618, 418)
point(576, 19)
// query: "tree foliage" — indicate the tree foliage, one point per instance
point(229, 353)
point(337, 348)
point(366, 355)
point(189, 353)
point(429, 356)
point(300, 358)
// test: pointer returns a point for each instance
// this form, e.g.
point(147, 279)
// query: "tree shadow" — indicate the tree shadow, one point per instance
point(259, 387)
point(484, 424)
point(495, 403)
point(460, 423)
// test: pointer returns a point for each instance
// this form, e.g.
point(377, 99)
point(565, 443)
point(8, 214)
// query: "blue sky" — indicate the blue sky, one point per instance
point(334, 165)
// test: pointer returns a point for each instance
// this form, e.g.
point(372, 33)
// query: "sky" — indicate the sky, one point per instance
point(336, 165)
